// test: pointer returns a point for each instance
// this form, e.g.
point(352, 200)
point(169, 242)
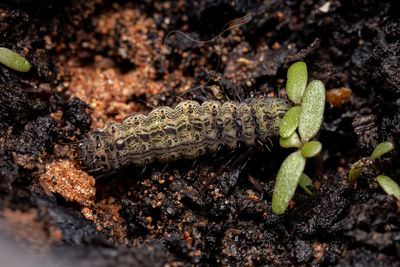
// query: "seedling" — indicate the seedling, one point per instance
point(358, 167)
point(299, 125)
point(388, 185)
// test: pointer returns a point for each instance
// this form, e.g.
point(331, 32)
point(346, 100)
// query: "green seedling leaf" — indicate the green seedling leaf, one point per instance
point(14, 60)
point(356, 170)
point(381, 149)
point(311, 149)
point(296, 81)
point(389, 186)
point(305, 182)
point(290, 122)
point(312, 110)
point(292, 141)
point(286, 181)
point(354, 174)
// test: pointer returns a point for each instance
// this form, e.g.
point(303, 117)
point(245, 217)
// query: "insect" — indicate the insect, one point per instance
point(186, 132)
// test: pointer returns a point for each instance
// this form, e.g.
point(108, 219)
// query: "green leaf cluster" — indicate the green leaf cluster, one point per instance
point(14, 60)
point(299, 125)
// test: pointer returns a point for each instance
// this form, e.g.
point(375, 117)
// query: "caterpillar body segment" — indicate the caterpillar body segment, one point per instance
point(188, 131)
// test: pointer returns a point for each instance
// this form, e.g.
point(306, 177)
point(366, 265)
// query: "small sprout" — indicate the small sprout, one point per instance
point(296, 81)
point(359, 166)
point(305, 182)
point(381, 149)
point(14, 60)
point(311, 149)
point(290, 122)
point(292, 141)
point(312, 110)
point(354, 174)
point(389, 186)
point(286, 181)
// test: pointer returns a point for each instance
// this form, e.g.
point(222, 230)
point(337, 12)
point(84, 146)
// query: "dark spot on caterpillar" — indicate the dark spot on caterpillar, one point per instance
point(188, 131)
point(267, 117)
point(219, 134)
point(170, 131)
point(198, 126)
point(219, 122)
point(144, 137)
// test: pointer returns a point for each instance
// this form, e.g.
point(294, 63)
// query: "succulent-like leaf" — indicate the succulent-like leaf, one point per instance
point(287, 180)
point(381, 149)
point(354, 174)
point(292, 141)
point(356, 170)
point(389, 186)
point(14, 60)
point(290, 122)
point(311, 149)
point(312, 110)
point(296, 81)
point(304, 182)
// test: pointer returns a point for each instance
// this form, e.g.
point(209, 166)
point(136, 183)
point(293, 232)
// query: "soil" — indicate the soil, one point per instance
point(97, 61)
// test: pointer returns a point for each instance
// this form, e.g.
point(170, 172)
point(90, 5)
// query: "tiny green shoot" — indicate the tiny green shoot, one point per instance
point(305, 117)
point(389, 186)
point(14, 60)
point(355, 173)
point(358, 167)
point(381, 149)
point(305, 182)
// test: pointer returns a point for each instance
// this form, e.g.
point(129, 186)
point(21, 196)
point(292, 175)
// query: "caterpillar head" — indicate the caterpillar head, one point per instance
point(92, 153)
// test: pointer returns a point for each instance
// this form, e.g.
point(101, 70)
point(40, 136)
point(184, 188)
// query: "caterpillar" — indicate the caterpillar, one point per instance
point(186, 132)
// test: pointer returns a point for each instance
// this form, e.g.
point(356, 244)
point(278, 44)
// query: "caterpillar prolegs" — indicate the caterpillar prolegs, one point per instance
point(187, 131)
